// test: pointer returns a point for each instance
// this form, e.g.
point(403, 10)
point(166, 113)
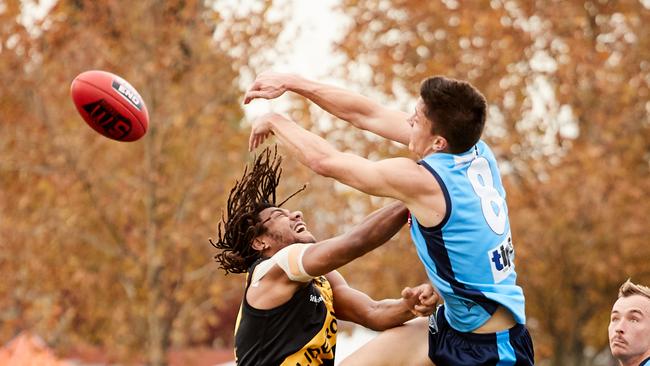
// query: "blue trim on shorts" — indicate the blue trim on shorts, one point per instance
point(449, 347)
point(506, 352)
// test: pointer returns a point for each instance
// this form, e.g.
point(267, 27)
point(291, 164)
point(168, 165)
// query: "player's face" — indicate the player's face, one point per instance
point(421, 139)
point(629, 328)
point(285, 227)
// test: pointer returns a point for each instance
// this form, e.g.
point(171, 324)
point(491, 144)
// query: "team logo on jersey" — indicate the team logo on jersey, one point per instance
point(468, 304)
point(315, 299)
point(502, 260)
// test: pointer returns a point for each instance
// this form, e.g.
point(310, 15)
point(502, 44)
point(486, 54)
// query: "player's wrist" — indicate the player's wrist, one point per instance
point(297, 84)
point(406, 306)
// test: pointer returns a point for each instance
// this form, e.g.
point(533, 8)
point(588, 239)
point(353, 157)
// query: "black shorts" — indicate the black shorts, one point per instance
point(449, 347)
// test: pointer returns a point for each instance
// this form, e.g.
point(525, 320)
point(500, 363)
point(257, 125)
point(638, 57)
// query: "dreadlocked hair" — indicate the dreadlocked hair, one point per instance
point(250, 195)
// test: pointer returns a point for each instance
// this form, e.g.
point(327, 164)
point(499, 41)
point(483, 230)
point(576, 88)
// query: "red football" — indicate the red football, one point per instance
point(110, 105)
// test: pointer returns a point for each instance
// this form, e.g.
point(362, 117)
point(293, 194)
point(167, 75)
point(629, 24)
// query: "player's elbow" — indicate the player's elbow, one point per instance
point(358, 120)
point(322, 165)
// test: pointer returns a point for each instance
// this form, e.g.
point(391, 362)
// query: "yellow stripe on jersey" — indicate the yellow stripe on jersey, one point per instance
point(239, 320)
point(300, 332)
point(321, 347)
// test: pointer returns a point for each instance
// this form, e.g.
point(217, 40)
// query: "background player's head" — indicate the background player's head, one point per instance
point(256, 226)
point(629, 326)
point(450, 114)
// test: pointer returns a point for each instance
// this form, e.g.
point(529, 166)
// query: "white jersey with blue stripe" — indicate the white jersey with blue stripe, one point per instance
point(469, 256)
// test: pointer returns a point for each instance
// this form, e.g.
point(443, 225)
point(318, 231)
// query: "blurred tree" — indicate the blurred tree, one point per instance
point(567, 85)
point(106, 242)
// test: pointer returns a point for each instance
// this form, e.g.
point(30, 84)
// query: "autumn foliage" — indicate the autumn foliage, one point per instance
point(568, 86)
point(105, 243)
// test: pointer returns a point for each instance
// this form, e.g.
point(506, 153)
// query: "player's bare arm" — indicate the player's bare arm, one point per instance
point(399, 178)
point(355, 306)
point(313, 260)
point(375, 230)
point(349, 106)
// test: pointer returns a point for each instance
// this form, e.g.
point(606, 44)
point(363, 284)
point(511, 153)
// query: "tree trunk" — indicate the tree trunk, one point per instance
point(155, 327)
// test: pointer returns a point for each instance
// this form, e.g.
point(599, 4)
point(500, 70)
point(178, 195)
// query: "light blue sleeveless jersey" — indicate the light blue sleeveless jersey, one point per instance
point(469, 256)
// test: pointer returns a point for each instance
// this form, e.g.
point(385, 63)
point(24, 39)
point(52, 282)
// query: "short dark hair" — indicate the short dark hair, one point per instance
point(456, 110)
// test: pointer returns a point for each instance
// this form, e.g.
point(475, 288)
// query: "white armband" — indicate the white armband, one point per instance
point(290, 260)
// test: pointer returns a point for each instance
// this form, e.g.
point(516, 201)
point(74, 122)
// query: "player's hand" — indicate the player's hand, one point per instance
point(261, 129)
point(421, 300)
point(267, 85)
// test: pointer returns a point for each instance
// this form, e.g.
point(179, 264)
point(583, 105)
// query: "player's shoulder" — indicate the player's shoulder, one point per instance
point(400, 162)
point(402, 169)
point(405, 165)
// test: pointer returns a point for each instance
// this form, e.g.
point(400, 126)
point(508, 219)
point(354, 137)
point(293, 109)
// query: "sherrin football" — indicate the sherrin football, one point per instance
point(110, 105)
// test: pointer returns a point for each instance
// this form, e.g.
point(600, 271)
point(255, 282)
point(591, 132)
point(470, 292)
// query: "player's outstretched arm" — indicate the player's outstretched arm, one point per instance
point(355, 306)
point(375, 230)
point(399, 178)
point(349, 106)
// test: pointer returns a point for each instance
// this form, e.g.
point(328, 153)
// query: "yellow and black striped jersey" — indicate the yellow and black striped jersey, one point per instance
point(300, 332)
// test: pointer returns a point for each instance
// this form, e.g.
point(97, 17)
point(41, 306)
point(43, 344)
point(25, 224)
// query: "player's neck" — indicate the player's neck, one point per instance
point(635, 361)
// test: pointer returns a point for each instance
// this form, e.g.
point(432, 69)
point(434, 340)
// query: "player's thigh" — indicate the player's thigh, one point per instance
point(404, 345)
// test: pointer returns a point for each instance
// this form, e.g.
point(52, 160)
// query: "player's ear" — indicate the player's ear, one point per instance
point(259, 244)
point(439, 143)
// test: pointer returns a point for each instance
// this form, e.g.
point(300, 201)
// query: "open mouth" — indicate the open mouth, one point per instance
point(300, 228)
